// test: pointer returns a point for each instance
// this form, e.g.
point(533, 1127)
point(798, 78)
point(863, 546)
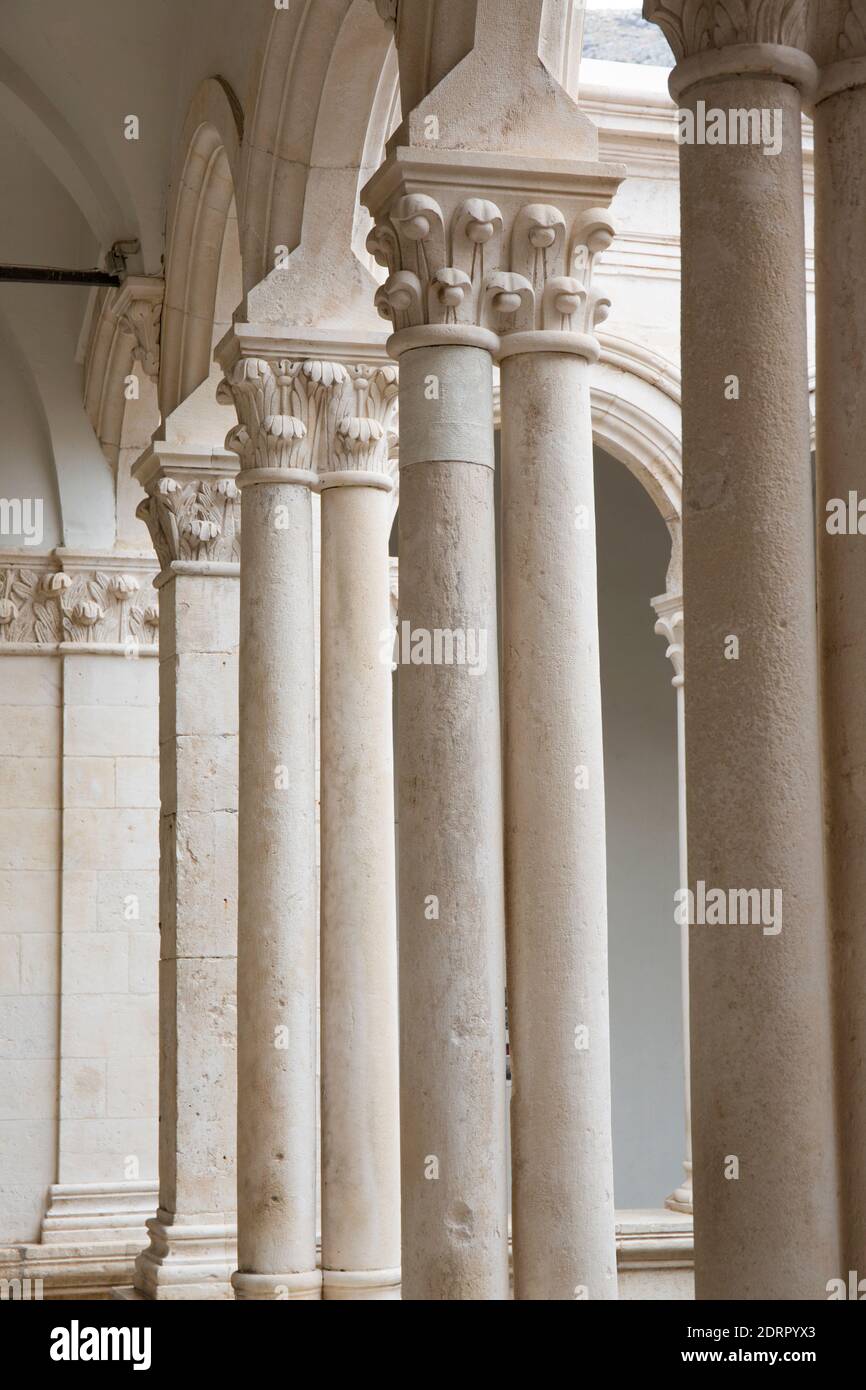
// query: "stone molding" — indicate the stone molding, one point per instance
point(78, 601)
point(78, 1212)
point(192, 507)
point(500, 249)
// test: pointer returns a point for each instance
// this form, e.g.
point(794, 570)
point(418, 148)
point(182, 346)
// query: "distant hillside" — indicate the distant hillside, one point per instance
point(623, 37)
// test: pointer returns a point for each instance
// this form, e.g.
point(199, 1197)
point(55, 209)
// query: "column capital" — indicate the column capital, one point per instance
point(481, 246)
point(841, 47)
point(737, 38)
point(361, 423)
point(191, 508)
point(387, 10)
point(316, 409)
point(138, 309)
point(670, 624)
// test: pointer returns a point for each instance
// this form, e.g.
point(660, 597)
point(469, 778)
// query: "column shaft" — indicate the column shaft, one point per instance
point(360, 1125)
point(840, 234)
point(277, 897)
point(562, 1162)
point(452, 978)
point(762, 1109)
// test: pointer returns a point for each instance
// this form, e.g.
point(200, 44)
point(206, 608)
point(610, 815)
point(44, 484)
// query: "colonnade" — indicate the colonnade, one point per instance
point(490, 248)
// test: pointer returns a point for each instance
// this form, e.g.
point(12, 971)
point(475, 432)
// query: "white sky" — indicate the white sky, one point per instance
point(613, 4)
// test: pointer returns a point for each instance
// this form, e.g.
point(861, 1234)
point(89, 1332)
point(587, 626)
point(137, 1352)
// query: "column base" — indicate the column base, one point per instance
point(188, 1259)
point(93, 1211)
point(681, 1198)
point(307, 1285)
point(355, 1284)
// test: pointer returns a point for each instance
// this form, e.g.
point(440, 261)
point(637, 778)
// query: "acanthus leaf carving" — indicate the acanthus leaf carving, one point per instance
point(364, 415)
point(281, 410)
point(387, 10)
point(197, 520)
point(96, 607)
point(693, 26)
point(852, 35)
point(142, 319)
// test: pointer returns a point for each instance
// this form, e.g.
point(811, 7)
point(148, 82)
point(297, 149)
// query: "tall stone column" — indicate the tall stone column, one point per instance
point(278, 404)
point(478, 214)
point(452, 968)
point(763, 1123)
point(840, 265)
point(360, 1117)
point(670, 625)
point(562, 1160)
point(192, 510)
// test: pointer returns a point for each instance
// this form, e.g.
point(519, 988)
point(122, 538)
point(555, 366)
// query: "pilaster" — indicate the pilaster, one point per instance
point(192, 509)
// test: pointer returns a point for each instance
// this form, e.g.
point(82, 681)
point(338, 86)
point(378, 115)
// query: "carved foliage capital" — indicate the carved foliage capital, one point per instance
point(312, 415)
point(852, 34)
point(138, 309)
point(193, 519)
point(670, 624)
point(388, 11)
point(364, 420)
point(693, 26)
point(523, 268)
point(281, 407)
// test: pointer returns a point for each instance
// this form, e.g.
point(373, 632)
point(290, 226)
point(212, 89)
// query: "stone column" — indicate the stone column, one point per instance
point(763, 1123)
point(478, 214)
point(192, 509)
point(669, 624)
point(360, 1118)
point(840, 265)
point(450, 882)
point(278, 404)
point(562, 1161)
point(452, 967)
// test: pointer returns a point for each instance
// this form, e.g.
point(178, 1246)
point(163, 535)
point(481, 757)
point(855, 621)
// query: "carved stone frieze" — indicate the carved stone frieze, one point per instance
point(111, 605)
